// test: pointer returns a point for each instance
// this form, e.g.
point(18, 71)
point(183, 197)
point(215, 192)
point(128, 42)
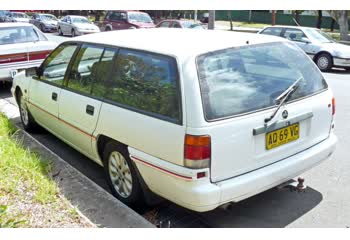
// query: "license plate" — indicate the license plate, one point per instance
point(13, 73)
point(282, 136)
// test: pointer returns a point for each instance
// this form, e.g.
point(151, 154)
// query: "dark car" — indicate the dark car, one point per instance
point(4, 16)
point(116, 20)
point(174, 23)
point(45, 22)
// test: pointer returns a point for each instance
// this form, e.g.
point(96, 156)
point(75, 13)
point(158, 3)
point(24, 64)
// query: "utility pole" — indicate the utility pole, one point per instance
point(195, 15)
point(273, 17)
point(211, 20)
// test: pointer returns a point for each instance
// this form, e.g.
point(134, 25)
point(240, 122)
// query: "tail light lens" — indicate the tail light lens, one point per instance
point(197, 151)
point(333, 106)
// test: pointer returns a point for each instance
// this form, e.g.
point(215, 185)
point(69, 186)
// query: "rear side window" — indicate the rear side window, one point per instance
point(81, 75)
point(146, 82)
point(246, 79)
point(165, 24)
point(276, 31)
point(294, 34)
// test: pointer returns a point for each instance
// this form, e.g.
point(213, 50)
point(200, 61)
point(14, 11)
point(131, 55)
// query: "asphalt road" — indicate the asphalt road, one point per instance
point(326, 202)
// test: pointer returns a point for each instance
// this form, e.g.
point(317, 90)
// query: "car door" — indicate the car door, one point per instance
point(296, 35)
point(79, 119)
point(44, 91)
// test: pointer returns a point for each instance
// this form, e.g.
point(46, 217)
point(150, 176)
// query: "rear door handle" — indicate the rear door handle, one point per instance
point(54, 96)
point(90, 110)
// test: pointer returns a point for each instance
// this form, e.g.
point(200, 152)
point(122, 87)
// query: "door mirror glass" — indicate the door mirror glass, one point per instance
point(30, 72)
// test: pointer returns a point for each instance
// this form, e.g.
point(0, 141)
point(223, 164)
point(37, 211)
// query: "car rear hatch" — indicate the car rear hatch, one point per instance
point(239, 88)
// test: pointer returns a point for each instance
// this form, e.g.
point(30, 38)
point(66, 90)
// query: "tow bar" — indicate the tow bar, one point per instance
point(293, 185)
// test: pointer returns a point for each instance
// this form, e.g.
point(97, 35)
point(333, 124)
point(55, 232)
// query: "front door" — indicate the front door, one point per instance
point(44, 91)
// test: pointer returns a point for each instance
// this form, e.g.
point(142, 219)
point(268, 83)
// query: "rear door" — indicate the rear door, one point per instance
point(44, 92)
point(79, 107)
point(239, 88)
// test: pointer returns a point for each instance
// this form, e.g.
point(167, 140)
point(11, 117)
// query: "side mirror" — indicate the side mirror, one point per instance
point(305, 40)
point(32, 72)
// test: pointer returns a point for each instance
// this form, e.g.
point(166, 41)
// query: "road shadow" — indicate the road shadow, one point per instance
point(271, 209)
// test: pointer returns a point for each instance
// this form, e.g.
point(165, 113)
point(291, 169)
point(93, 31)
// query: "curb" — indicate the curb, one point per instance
point(93, 202)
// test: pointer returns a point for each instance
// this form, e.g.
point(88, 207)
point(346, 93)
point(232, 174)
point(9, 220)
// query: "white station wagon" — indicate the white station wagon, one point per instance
point(198, 124)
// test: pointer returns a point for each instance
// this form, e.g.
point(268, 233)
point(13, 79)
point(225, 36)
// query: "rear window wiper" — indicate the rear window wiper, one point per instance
point(283, 97)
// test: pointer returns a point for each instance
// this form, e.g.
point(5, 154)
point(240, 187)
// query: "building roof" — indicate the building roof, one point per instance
point(177, 42)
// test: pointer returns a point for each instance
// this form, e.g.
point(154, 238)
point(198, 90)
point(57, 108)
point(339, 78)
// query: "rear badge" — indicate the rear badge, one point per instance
point(285, 114)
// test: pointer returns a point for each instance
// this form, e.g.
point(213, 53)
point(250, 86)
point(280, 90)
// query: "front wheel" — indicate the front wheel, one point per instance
point(121, 174)
point(42, 28)
point(324, 62)
point(60, 32)
point(73, 33)
point(347, 69)
point(27, 120)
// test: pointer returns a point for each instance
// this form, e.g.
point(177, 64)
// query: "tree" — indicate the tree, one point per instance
point(229, 13)
point(273, 15)
point(341, 17)
point(296, 16)
point(211, 20)
point(319, 19)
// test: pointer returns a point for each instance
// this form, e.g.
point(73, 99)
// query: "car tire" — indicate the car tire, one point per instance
point(42, 28)
point(73, 33)
point(108, 29)
point(324, 62)
point(27, 119)
point(60, 32)
point(122, 175)
point(347, 69)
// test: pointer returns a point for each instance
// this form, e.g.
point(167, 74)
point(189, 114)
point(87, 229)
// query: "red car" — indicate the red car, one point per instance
point(121, 19)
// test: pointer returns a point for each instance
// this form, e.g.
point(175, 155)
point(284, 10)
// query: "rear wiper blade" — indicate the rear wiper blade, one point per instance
point(282, 98)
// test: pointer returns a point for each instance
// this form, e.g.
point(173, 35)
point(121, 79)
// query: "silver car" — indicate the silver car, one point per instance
point(76, 25)
point(324, 51)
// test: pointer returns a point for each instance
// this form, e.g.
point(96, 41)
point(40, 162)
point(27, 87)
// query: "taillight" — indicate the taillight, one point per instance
point(197, 151)
point(333, 106)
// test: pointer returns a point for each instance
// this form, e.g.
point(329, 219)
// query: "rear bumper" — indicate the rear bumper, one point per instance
point(202, 195)
point(6, 69)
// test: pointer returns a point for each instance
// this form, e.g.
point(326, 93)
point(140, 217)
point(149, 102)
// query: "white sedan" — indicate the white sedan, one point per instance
point(22, 46)
point(76, 25)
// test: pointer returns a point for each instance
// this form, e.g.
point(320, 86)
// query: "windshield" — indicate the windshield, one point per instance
point(80, 20)
point(192, 25)
point(139, 17)
point(3, 13)
point(319, 35)
point(48, 17)
point(19, 15)
point(246, 79)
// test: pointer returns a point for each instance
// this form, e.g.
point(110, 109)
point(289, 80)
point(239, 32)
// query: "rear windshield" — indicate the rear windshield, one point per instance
point(240, 80)
point(12, 35)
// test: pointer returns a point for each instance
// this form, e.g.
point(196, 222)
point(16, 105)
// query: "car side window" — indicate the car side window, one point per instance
point(165, 24)
point(81, 75)
point(275, 31)
point(176, 25)
point(116, 16)
point(146, 82)
point(55, 65)
point(294, 34)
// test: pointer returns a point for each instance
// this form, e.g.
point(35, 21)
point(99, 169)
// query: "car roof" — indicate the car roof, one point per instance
point(76, 16)
point(15, 24)
point(177, 42)
point(295, 27)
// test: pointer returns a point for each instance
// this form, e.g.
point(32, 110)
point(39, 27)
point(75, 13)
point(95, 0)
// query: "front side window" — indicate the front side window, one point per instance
point(81, 77)
point(55, 65)
point(276, 31)
point(165, 24)
point(294, 34)
point(146, 82)
point(246, 79)
point(12, 35)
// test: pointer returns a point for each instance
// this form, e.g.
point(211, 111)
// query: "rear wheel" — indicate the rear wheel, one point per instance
point(27, 120)
point(60, 32)
point(108, 29)
point(42, 28)
point(74, 34)
point(324, 62)
point(121, 174)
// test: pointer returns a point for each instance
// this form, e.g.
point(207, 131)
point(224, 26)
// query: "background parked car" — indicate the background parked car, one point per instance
point(22, 46)
point(321, 47)
point(116, 20)
point(18, 17)
point(76, 25)
point(45, 22)
point(173, 23)
point(3, 16)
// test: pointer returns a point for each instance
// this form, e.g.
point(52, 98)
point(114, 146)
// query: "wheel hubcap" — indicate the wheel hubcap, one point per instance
point(120, 174)
point(24, 111)
point(323, 62)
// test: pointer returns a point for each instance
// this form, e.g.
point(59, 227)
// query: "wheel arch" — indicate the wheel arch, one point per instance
point(101, 142)
point(322, 52)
